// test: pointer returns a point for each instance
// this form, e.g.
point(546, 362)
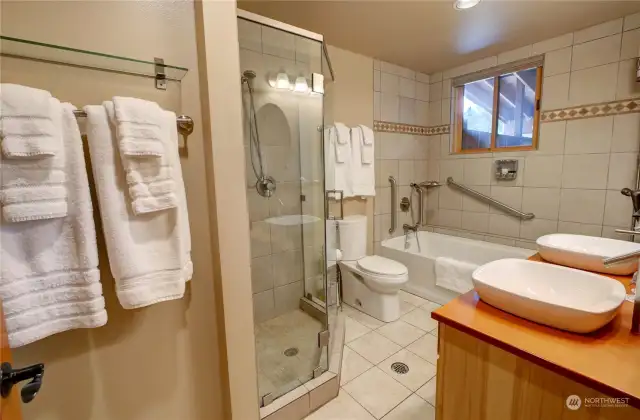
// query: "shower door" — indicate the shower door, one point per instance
point(285, 193)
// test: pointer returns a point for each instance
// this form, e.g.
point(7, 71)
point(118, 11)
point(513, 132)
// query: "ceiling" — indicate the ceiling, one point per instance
point(429, 35)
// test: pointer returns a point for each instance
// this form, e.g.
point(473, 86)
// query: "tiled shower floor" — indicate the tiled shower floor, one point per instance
point(278, 373)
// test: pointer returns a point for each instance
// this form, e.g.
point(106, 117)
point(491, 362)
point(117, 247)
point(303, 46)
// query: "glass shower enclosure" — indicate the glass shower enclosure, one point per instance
point(284, 71)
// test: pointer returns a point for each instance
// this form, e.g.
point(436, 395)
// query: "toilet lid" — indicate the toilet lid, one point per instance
point(379, 265)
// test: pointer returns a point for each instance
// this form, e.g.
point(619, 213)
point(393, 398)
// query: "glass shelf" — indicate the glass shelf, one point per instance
point(58, 54)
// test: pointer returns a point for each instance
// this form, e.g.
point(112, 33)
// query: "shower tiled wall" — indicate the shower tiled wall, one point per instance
point(400, 96)
point(572, 182)
point(278, 250)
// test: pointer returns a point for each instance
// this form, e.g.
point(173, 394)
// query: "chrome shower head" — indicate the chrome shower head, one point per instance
point(249, 74)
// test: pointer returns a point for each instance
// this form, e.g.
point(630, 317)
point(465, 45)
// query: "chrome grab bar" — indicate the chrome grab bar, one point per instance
point(474, 193)
point(394, 203)
point(418, 188)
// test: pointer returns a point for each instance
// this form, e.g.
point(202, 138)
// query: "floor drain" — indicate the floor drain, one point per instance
point(291, 352)
point(400, 368)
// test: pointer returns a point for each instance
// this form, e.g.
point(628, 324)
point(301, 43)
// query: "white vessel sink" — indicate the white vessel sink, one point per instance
point(587, 252)
point(556, 296)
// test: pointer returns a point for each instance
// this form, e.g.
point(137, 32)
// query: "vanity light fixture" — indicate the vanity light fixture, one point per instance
point(465, 4)
point(282, 81)
point(301, 85)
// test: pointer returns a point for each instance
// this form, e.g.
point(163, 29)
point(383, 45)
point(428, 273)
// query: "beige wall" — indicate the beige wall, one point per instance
point(351, 102)
point(572, 182)
point(164, 361)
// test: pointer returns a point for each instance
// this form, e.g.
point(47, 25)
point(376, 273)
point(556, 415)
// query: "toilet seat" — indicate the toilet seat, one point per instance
point(381, 267)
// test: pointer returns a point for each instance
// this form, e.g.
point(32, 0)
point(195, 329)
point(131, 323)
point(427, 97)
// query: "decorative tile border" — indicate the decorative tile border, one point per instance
point(604, 109)
point(391, 127)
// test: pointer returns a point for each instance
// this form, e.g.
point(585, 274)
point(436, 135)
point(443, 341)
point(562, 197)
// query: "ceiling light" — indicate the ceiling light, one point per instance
point(464, 4)
point(282, 81)
point(301, 85)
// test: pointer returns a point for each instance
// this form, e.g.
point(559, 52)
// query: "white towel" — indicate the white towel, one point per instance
point(34, 189)
point(454, 275)
point(141, 172)
point(149, 254)
point(363, 176)
point(26, 122)
point(342, 146)
point(138, 127)
point(366, 151)
point(49, 277)
point(337, 174)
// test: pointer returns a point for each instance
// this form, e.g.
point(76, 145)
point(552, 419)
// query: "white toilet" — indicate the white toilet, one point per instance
point(369, 283)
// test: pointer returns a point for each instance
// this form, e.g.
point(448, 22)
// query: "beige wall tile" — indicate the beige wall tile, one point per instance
point(543, 171)
point(471, 204)
point(627, 86)
point(526, 244)
point(555, 91)
point(535, 228)
point(618, 209)
point(389, 83)
point(421, 77)
point(596, 53)
point(406, 172)
point(420, 170)
point(579, 229)
point(258, 206)
point(589, 135)
point(501, 241)
point(543, 202)
point(552, 44)
point(261, 274)
point(377, 84)
point(450, 198)
point(445, 146)
point(504, 225)
point(585, 171)
point(610, 232)
point(285, 238)
point(630, 43)
point(626, 133)
point(477, 171)
point(422, 113)
point(260, 239)
point(445, 117)
point(514, 55)
point(263, 306)
point(477, 222)
point(278, 43)
point(622, 171)
point(422, 91)
point(446, 89)
point(376, 64)
point(631, 22)
point(407, 88)
point(249, 35)
point(287, 298)
point(433, 170)
point(435, 77)
point(287, 267)
point(598, 31)
point(377, 106)
point(421, 148)
point(557, 62)
point(387, 168)
point(434, 147)
point(435, 92)
point(449, 218)
point(407, 110)
point(593, 85)
point(552, 138)
point(435, 113)
point(582, 206)
point(398, 146)
point(381, 227)
point(511, 196)
point(390, 107)
point(451, 168)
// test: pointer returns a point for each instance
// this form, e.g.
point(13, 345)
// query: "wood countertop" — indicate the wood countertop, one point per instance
point(607, 360)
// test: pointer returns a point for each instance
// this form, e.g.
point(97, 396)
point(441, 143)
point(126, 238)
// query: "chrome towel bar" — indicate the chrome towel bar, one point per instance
point(479, 195)
point(184, 122)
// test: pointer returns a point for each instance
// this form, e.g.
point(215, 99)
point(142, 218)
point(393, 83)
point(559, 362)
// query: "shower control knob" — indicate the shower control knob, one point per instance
point(266, 186)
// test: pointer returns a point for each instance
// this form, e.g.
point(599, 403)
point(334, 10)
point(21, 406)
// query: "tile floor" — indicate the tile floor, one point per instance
point(369, 388)
point(277, 373)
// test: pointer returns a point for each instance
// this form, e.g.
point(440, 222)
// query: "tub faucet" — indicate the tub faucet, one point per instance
point(635, 319)
point(411, 228)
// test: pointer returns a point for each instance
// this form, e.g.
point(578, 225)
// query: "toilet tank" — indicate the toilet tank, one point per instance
point(352, 237)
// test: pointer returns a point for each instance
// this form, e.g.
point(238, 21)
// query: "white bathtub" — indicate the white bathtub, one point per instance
point(421, 265)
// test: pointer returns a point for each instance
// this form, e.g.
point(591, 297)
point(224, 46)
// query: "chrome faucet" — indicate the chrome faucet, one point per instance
point(411, 228)
point(635, 319)
point(635, 201)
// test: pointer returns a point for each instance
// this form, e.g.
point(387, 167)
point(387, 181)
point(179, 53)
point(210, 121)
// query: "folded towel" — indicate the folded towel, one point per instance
point(454, 275)
point(138, 123)
point(49, 277)
point(26, 122)
point(363, 176)
point(149, 254)
point(337, 173)
point(34, 189)
point(366, 145)
point(342, 140)
point(140, 171)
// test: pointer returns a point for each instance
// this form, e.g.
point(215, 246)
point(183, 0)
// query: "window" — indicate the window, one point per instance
point(498, 109)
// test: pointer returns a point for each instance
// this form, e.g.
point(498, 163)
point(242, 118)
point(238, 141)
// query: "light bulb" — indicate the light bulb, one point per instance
point(465, 4)
point(301, 85)
point(282, 81)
